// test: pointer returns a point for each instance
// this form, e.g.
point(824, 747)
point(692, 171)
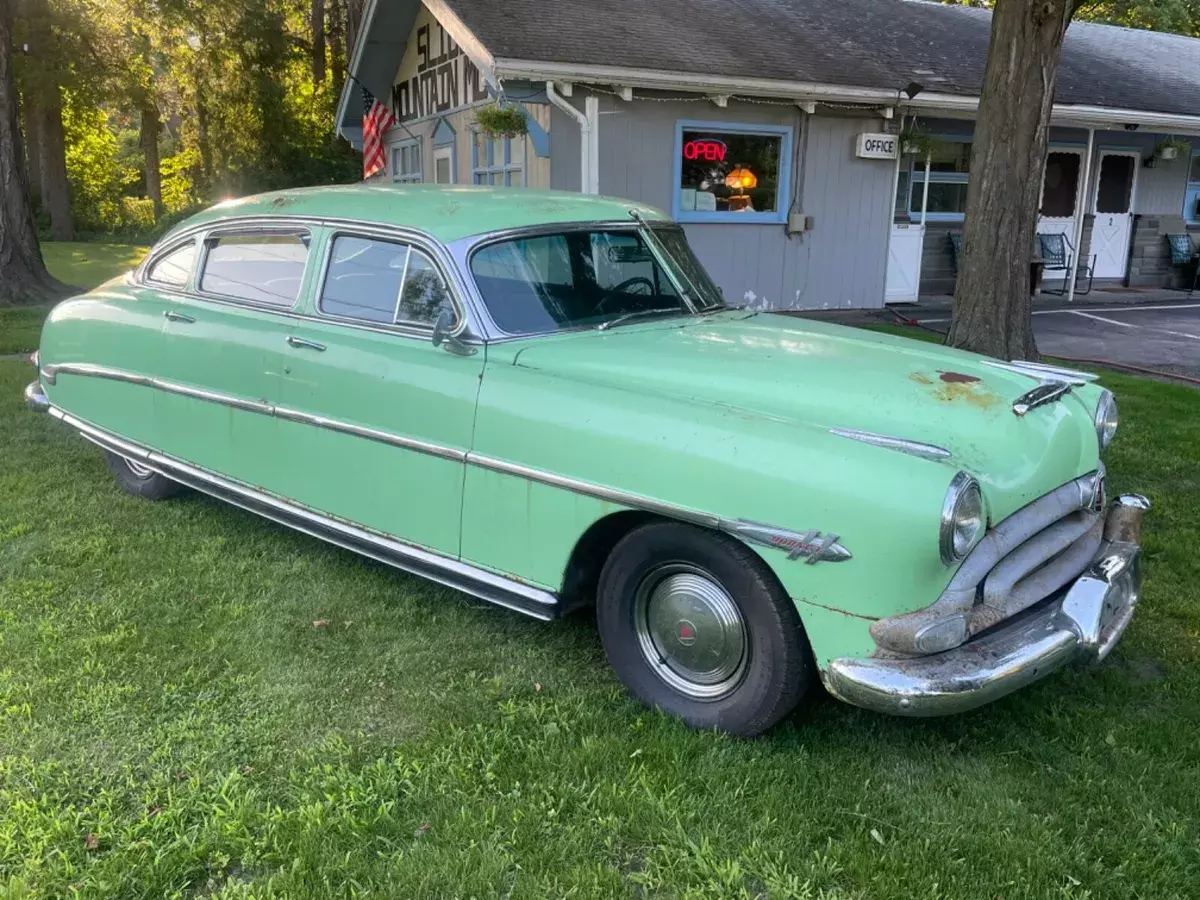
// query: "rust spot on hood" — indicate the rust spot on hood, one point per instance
point(957, 378)
point(920, 378)
point(968, 392)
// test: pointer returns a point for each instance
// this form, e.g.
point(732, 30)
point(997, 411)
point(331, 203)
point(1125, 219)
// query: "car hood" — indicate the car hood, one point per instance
point(822, 376)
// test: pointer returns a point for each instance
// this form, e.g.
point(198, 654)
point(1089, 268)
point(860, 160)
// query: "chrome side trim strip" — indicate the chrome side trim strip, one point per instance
point(903, 445)
point(596, 491)
point(452, 573)
point(371, 434)
point(1041, 371)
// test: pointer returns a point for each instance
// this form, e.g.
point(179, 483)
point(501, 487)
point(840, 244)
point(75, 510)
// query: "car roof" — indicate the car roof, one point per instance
point(447, 212)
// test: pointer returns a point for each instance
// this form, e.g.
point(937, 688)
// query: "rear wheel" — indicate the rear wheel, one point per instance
point(695, 624)
point(139, 480)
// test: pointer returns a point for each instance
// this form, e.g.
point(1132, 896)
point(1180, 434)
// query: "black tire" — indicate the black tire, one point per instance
point(145, 484)
point(776, 670)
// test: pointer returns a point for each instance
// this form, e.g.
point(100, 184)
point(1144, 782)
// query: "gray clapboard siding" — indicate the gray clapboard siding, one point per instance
point(840, 264)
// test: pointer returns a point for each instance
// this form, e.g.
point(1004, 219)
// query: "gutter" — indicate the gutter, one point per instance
point(1070, 114)
point(589, 137)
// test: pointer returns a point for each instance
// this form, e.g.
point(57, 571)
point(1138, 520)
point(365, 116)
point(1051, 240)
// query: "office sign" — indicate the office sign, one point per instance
point(877, 146)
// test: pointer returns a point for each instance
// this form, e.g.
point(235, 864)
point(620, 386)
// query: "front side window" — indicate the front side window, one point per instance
point(949, 169)
point(574, 279)
point(174, 268)
point(1191, 203)
point(499, 160)
point(259, 268)
point(383, 282)
point(728, 173)
point(406, 162)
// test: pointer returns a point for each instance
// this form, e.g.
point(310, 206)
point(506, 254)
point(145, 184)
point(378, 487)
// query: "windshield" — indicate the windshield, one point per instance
point(582, 278)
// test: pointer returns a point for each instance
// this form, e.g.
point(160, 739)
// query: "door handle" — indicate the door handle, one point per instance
point(307, 345)
point(171, 316)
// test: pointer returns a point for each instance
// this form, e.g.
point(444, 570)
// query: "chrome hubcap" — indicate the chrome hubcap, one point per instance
point(137, 468)
point(690, 631)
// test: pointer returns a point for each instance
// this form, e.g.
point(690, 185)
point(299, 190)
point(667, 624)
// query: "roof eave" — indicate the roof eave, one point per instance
point(1079, 115)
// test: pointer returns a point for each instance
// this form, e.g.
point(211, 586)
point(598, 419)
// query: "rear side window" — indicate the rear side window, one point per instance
point(174, 268)
point(383, 282)
point(260, 268)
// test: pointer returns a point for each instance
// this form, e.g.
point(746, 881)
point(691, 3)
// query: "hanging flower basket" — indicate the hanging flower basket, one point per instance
point(916, 142)
point(1171, 148)
point(498, 121)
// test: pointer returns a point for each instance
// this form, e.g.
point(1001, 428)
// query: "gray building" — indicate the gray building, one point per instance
point(817, 153)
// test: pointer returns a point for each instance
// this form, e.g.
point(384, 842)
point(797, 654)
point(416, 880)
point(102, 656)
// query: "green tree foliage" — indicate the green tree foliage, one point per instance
point(1177, 16)
point(169, 104)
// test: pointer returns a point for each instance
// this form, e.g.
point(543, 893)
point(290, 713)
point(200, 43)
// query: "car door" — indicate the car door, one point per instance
point(375, 420)
point(224, 344)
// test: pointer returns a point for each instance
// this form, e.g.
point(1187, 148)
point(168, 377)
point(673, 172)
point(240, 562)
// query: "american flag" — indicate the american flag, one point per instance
point(377, 119)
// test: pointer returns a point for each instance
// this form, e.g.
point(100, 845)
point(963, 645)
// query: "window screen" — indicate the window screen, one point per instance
point(1116, 184)
point(260, 268)
point(175, 267)
point(1061, 185)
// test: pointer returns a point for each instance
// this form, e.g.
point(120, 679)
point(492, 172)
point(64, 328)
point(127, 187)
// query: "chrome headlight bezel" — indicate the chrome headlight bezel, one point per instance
point(1107, 419)
point(963, 494)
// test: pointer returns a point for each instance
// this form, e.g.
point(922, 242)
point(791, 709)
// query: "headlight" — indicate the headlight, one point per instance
point(963, 519)
point(1106, 419)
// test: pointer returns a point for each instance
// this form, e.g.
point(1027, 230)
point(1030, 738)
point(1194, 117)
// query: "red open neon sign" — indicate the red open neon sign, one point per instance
point(707, 149)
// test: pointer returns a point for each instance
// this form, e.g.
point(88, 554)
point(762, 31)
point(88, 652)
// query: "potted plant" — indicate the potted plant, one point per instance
point(501, 120)
point(915, 141)
point(1171, 148)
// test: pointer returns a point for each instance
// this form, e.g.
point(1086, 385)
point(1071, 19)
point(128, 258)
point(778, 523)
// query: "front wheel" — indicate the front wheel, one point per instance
point(134, 478)
point(694, 623)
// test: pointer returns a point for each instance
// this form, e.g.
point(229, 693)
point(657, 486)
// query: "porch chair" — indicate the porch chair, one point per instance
point(1057, 254)
point(1183, 256)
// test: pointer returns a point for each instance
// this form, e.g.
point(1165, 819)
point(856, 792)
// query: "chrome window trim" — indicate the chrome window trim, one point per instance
point(813, 545)
point(259, 229)
point(406, 328)
point(465, 248)
point(478, 582)
point(142, 273)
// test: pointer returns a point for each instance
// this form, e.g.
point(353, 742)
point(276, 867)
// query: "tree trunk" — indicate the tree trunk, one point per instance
point(23, 275)
point(56, 193)
point(151, 128)
point(33, 149)
point(318, 41)
point(992, 313)
point(337, 42)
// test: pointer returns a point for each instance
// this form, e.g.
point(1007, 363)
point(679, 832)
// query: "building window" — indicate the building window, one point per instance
point(949, 168)
point(1191, 203)
point(406, 162)
point(498, 160)
point(728, 172)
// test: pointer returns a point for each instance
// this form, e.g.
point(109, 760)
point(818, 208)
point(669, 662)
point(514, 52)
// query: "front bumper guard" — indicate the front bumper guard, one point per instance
point(35, 397)
point(1082, 625)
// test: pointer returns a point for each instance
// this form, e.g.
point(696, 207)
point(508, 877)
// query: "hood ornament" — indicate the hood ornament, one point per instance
point(812, 545)
point(1049, 391)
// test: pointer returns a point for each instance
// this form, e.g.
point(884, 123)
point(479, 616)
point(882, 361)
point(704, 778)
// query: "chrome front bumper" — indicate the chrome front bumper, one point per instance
point(1083, 624)
point(35, 397)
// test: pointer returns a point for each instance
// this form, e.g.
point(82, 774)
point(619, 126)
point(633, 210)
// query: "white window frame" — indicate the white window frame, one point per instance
point(916, 182)
point(482, 170)
point(408, 176)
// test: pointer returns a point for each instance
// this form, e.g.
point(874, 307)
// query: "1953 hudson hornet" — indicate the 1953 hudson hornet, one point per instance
point(542, 400)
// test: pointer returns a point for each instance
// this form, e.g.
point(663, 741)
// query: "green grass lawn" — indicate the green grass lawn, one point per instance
point(197, 703)
point(82, 265)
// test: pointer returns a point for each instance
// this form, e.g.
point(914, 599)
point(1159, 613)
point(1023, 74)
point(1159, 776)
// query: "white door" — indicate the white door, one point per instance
point(1113, 206)
point(905, 247)
point(443, 165)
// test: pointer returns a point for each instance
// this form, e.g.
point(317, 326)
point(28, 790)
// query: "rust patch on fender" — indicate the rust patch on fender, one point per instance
point(956, 378)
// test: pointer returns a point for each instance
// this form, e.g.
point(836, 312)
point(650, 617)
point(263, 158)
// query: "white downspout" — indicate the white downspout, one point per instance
point(585, 136)
point(925, 196)
point(591, 108)
point(1081, 213)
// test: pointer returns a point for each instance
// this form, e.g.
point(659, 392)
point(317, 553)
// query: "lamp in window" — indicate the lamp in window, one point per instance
point(741, 180)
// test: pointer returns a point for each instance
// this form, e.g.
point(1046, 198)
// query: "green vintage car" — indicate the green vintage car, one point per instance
point(542, 400)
